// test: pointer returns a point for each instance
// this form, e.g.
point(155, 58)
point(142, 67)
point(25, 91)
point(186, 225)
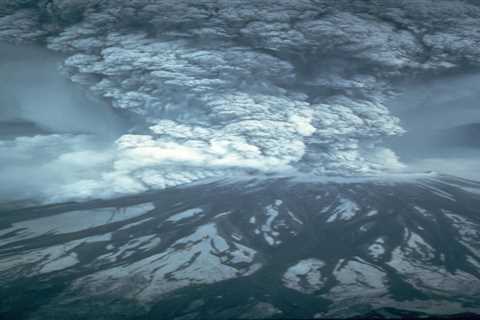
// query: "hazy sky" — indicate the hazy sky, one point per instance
point(441, 117)
point(32, 89)
point(76, 131)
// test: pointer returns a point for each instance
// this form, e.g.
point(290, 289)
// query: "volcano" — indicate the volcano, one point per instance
point(228, 159)
point(276, 247)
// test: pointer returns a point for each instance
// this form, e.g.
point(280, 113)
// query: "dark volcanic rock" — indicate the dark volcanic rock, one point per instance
point(274, 248)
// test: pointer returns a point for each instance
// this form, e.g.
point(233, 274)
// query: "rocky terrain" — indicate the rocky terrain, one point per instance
point(261, 248)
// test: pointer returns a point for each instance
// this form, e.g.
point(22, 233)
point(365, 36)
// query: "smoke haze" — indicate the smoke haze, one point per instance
point(33, 90)
point(443, 125)
point(52, 133)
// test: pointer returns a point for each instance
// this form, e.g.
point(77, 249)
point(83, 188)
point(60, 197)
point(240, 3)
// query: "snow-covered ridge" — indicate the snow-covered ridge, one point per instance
point(257, 239)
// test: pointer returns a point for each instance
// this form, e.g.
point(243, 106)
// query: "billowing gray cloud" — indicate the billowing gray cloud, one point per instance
point(217, 87)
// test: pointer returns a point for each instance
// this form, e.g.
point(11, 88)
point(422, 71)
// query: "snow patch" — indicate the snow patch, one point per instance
point(376, 250)
point(305, 276)
point(357, 278)
point(201, 258)
point(345, 210)
point(69, 222)
point(188, 214)
point(429, 278)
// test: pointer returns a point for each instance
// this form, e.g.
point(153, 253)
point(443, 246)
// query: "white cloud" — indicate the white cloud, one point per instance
point(39, 166)
point(288, 96)
point(386, 159)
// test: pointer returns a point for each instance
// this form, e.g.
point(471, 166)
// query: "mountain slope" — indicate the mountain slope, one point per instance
point(278, 247)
